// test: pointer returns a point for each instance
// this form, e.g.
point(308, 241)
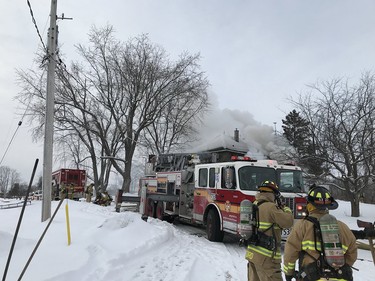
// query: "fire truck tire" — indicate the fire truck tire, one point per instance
point(213, 227)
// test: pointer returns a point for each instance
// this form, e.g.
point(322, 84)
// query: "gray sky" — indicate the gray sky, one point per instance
point(255, 53)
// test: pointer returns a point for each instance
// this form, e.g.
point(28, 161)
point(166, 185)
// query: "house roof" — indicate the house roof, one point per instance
point(223, 142)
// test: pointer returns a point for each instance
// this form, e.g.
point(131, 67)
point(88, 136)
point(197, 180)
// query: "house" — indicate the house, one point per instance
point(224, 146)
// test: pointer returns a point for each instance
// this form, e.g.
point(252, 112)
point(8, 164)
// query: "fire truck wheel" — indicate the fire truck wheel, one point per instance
point(213, 227)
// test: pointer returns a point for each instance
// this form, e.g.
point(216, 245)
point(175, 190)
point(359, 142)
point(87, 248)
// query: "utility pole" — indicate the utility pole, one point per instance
point(50, 102)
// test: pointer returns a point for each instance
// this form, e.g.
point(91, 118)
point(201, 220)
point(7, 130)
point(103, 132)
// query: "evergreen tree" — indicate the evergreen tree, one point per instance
point(297, 132)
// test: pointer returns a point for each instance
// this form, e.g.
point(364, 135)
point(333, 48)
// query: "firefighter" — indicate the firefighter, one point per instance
point(89, 192)
point(99, 197)
point(71, 191)
point(263, 248)
point(63, 191)
point(103, 198)
point(106, 199)
point(302, 243)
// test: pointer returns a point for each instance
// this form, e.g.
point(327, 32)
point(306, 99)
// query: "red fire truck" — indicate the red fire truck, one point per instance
point(199, 189)
point(70, 181)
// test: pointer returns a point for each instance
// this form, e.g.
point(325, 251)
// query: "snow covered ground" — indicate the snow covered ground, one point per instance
point(106, 245)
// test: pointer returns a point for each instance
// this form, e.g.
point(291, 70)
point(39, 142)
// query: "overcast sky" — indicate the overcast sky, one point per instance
point(256, 54)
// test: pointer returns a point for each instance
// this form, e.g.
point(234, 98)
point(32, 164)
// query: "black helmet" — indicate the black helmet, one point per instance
point(269, 186)
point(321, 198)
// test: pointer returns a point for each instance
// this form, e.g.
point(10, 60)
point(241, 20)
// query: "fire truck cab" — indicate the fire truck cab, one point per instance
point(205, 193)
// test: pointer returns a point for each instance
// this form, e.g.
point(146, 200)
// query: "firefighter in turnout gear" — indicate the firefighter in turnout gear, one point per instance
point(70, 189)
point(304, 244)
point(106, 199)
point(89, 192)
point(63, 191)
point(103, 198)
point(263, 248)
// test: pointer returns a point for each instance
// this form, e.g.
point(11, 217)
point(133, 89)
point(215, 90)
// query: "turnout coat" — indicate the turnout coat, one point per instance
point(302, 238)
point(271, 220)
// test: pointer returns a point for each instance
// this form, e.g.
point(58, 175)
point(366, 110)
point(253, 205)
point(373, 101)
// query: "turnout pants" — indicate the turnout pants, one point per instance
point(268, 271)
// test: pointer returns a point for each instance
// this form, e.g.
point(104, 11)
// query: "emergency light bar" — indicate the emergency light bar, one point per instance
point(242, 158)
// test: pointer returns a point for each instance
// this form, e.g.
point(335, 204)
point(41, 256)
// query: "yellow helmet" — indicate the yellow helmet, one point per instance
point(321, 198)
point(269, 186)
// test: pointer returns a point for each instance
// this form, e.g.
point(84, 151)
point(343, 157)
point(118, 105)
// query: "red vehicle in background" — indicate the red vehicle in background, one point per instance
point(69, 181)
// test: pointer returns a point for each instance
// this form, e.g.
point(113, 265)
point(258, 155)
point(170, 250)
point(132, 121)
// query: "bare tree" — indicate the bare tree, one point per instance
point(113, 96)
point(341, 118)
point(174, 126)
point(8, 177)
point(14, 177)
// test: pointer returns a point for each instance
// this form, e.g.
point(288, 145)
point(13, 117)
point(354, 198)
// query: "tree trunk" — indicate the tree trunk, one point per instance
point(355, 206)
point(127, 174)
point(126, 181)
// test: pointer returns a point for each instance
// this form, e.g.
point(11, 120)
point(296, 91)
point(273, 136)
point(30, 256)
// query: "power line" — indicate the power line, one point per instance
point(36, 26)
point(10, 142)
point(23, 116)
point(20, 122)
point(60, 62)
point(15, 132)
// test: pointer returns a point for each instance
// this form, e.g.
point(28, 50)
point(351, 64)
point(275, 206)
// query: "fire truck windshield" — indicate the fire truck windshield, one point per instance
point(288, 180)
point(250, 176)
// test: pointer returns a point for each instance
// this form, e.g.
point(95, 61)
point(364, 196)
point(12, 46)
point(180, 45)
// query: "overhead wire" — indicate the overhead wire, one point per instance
point(58, 61)
point(35, 24)
point(27, 107)
point(10, 142)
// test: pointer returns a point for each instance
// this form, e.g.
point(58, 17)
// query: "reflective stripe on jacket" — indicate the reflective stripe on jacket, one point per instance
point(302, 238)
point(269, 214)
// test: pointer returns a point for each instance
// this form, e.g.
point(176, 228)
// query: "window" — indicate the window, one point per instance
point(72, 177)
point(250, 177)
point(290, 181)
point(203, 177)
point(228, 178)
point(162, 185)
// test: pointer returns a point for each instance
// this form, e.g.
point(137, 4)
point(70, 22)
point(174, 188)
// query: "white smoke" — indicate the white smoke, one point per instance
point(259, 137)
